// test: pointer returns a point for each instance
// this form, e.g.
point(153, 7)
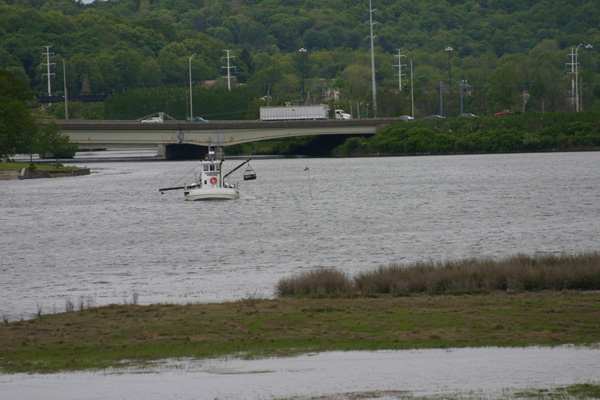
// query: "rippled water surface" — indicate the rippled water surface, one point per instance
point(111, 237)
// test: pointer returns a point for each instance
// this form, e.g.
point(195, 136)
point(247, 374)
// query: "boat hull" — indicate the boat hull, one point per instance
point(208, 193)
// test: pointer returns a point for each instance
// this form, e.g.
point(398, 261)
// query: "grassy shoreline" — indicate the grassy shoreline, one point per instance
point(122, 335)
point(49, 167)
point(518, 301)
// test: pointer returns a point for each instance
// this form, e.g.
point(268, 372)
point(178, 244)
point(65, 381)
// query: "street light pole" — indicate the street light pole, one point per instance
point(302, 52)
point(65, 87)
point(191, 107)
point(576, 80)
point(589, 48)
point(412, 92)
point(372, 60)
point(462, 85)
point(449, 50)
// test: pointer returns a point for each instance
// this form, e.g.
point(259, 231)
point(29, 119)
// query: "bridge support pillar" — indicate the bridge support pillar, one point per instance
point(181, 151)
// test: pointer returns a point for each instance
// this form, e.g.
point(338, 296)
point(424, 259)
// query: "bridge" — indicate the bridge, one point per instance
point(178, 139)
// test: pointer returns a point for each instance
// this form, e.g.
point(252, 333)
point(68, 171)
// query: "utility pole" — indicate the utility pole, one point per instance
point(228, 68)
point(372, 60)
point(400, 65)
point(572, 65)
point(48, 64)
point(574, 80)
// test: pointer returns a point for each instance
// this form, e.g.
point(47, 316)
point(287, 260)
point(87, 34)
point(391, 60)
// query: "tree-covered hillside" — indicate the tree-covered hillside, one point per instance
point(513, 54)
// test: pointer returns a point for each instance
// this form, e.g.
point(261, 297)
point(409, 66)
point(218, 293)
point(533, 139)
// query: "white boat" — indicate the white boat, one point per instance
point(210, 182)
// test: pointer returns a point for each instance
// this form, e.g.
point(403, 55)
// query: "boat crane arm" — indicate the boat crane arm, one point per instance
point(236, 168)
point(171, 188)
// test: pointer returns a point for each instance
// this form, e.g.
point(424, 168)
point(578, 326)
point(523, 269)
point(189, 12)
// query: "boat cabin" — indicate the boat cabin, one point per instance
point(210, 173)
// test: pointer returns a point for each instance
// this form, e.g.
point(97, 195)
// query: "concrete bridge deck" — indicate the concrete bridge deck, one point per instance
point(169, 135)
point(225, 133)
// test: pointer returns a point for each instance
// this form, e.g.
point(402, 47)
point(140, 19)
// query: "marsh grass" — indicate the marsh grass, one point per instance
point(320, 282)
point(516, 273)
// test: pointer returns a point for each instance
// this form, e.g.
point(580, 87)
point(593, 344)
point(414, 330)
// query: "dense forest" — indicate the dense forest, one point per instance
point(521, 55)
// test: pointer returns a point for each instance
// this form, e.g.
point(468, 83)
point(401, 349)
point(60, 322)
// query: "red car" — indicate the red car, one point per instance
point(503, 112)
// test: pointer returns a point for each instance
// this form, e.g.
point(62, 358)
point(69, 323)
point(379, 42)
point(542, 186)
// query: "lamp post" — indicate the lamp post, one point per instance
point(191, 107)
point(589, 48)
point(463, 83)
point(65, 87)
point(372, 60)
point(302, 52)
point(412, 92)
point(449, 50)
point(576, 80)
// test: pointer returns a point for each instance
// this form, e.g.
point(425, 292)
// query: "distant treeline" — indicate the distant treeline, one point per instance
point(529, 132)
point(508, 54)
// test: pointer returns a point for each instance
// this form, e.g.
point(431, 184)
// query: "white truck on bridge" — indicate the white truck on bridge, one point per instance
point(288, 113)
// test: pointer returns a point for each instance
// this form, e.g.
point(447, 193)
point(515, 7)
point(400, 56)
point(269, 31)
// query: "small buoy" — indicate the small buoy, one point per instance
point(213, 180)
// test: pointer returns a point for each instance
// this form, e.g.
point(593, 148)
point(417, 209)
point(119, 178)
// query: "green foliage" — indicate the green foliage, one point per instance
point(212, 103)
point(501, 49)
point(514, 133)
point(17, 124)
point(49, 139)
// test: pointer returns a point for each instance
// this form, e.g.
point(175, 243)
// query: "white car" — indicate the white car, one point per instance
point(152, 120)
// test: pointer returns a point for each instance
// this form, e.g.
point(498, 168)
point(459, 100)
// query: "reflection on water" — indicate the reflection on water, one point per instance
point(484, 373)
point(110, 236)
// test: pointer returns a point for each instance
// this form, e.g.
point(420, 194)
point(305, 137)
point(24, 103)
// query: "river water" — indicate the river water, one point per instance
point(482, 373)
point(110, 237)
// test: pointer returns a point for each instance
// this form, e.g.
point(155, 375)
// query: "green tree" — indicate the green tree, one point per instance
point(506, 83)
point(49, 139)
point(537, 90)
point(17, 124)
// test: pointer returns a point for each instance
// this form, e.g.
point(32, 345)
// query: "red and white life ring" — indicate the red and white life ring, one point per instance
point(213, 180)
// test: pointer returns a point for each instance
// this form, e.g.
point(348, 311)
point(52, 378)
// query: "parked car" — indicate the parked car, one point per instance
point(467, 115)
point(435, 116)
point(501, 113)
point(406, 118)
